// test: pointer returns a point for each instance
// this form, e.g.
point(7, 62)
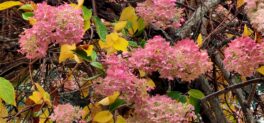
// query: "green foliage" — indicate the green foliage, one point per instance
point(116, 104)
point(100, 28)
point(27, 15)
point(7, 91)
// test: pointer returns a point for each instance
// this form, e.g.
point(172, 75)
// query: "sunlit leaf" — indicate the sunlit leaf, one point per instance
point(196, 93)
point(120, 119)
point(80, 3)
point(129, 14)
point(89, 50)
point(110, 99)
point(114, 43)
point(32, 21)
point(27, 15)
point(9, 4)
point(87, 25)
point(86, 111)
point(87, 13)
point(120, 25)
point(97, 65)
point(142, 73)
point(26, 7)
point(100, 28)
point(261, 70)
point(150, 83)
point(132, 44)
point(228, 35)
point(44, 117)
point(103, 117)
point(40, 95)
point(36, 97)
point(247, 31)
point(200, 40)
point(66, 52)
point(7, 91)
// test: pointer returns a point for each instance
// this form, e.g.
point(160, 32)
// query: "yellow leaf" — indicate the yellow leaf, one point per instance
point(87, 25)
point(80, 3)
point(73, 5)
point(240, 3)
point(261, 70)
point(66, 52)
point(142, 73)
point(85, 111)
point(110, 99)
point(120, 25)
point(43, 117)
point(77, 59)
point(40, 95)
point(129, 14)
point(9, 4)
point(229, 35)
point(247, 31)
point(200, 40)
point(3, 113)
point(103, 117)
point(89, 50)
point(32, 21)
point(120, 119)
point(114, 43)
point(36, 97)
point(121, 44)
point(39, 88)
point(150, 83)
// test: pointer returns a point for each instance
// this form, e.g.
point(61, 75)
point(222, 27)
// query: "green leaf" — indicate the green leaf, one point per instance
point(82, 54)
point(196, 103)
point(196, 93)
point(116, 104)
point(177, 96)
point(94, 56)
point(132, 44)
point(142, 43)
point(7, 91)
point(97, 65)
point(87, 13)
point(27, 15)
point(141, 24)
point(100, 28)
point(27, 7)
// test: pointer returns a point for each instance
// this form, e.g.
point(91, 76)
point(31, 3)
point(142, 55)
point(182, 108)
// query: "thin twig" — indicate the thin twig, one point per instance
point(232, 87)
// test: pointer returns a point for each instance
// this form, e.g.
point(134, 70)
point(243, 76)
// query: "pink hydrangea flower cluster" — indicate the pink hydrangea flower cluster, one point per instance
point(243, 56)
point(62, 25)
point(120, 78)
point(161, 13)
point(66, 113)
point(162, 109)
point(187, 61)
point(255, 9)
point(184, 60)
point(153, 56)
